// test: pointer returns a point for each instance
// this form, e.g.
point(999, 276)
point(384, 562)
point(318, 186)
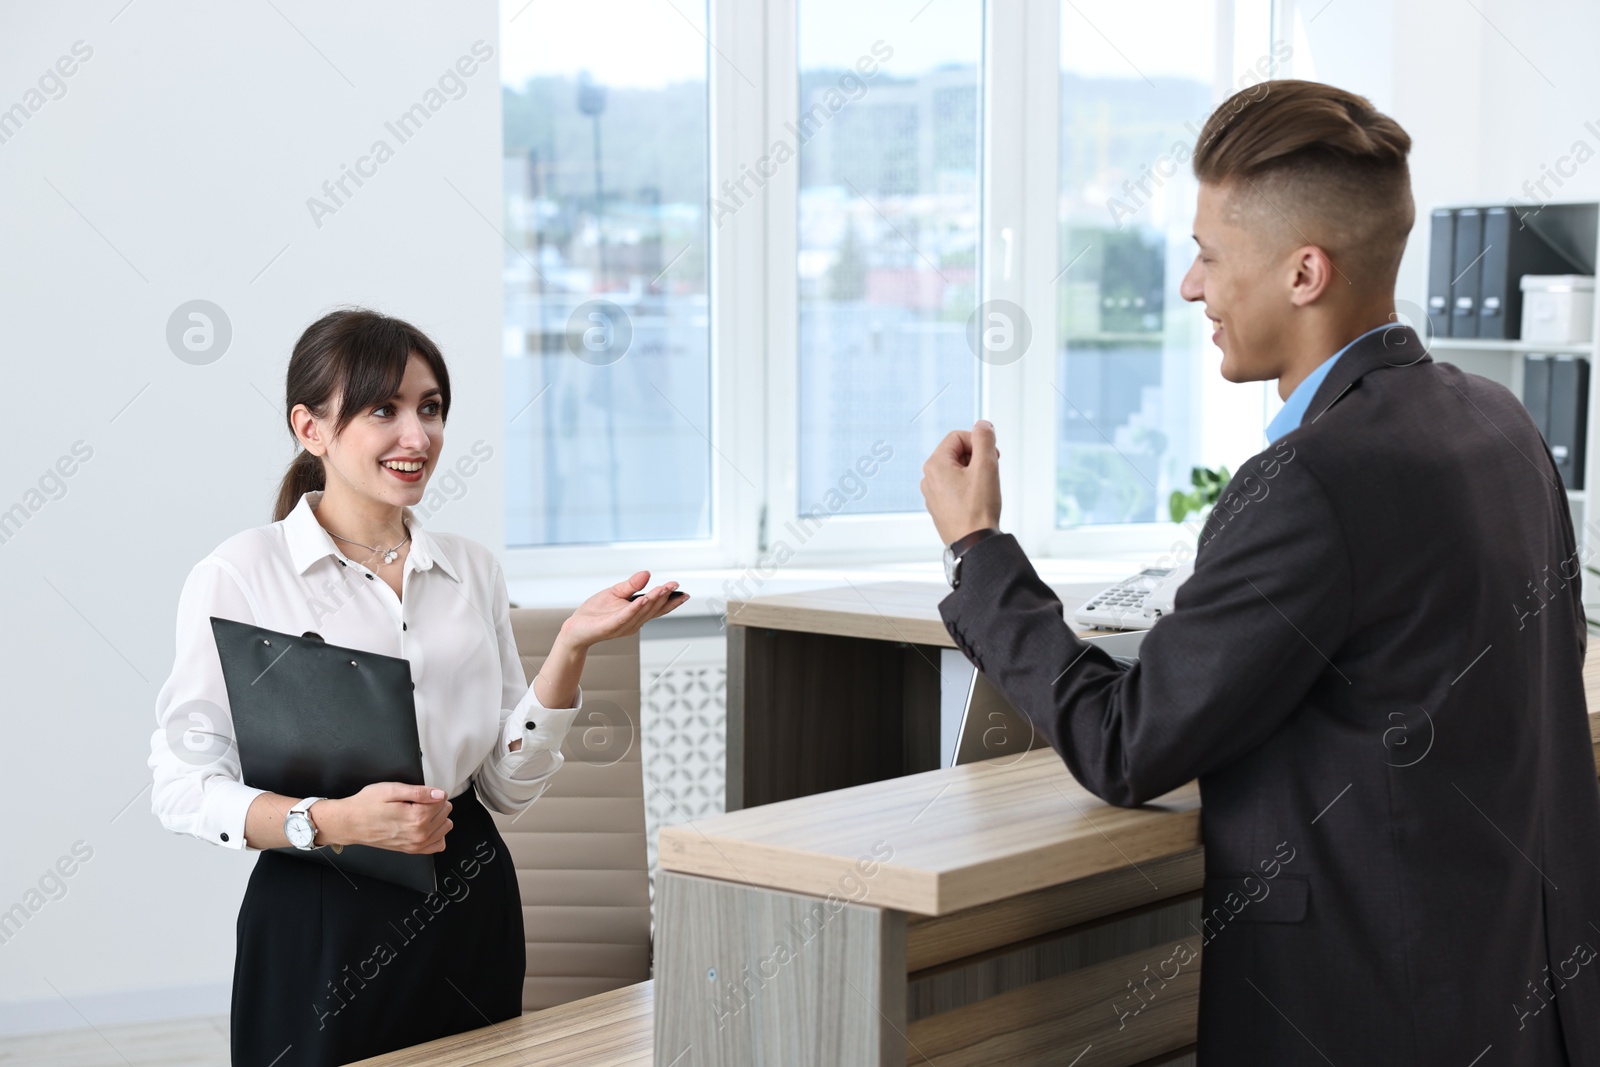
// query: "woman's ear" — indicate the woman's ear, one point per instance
point(306, 430)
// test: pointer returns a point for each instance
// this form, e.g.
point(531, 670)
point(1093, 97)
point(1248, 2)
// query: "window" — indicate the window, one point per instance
point(1140, 401)
point(1126, 364)
point(607, 336)
point(753, 246)
point(887, 219)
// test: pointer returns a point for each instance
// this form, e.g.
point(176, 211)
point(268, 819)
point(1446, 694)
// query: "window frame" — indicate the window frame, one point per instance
point(754, 313)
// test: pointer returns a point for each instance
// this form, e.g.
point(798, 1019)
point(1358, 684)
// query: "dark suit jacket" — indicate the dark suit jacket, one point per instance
point(1375, 673)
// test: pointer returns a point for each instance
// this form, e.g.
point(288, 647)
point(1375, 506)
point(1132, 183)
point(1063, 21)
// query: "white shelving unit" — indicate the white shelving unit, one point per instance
point(1574, 227)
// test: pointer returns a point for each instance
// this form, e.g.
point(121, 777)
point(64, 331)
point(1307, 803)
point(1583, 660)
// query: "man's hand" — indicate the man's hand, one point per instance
point(961, 482)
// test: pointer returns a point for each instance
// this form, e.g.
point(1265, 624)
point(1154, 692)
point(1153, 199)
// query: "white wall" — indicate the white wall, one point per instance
point(1489, 91)
point(176, 166)
point(1496, 94)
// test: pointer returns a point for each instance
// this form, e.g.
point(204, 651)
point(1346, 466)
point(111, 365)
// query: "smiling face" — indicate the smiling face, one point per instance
point(387, 452)
point(1245, 275)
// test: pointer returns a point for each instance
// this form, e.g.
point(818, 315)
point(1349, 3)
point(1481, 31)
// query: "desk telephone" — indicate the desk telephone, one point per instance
point(1136, 602)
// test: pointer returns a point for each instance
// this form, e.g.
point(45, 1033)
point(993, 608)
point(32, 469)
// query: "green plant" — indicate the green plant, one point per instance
point(1208, 485)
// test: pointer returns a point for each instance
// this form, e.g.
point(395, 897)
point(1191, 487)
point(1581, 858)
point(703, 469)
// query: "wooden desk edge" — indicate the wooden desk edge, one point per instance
point(1090, 838)
point(698, 850)
point(848, 611)
point(624, 1015)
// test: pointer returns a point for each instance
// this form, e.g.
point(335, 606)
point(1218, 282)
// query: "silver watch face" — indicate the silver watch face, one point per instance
point(297, 826)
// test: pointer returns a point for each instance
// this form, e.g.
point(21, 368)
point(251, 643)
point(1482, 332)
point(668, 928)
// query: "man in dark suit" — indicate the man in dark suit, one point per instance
point(1375, 671)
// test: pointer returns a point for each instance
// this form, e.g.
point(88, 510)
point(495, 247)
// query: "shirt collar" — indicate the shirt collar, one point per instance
point(309, 542)
point(1294, 408)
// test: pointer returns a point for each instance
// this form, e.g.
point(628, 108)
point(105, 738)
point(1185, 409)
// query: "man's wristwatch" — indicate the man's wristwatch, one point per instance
point(954, 552)
point(299, 828)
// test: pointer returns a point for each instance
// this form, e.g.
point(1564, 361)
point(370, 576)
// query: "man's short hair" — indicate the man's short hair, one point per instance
point(1319, 164)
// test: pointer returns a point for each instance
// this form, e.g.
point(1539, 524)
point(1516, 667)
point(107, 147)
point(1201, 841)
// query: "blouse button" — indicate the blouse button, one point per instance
point(224, 836)
point(369, 577)
point(402, 626)
point(529, 724)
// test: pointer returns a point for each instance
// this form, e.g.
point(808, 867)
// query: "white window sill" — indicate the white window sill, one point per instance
point(710, 589)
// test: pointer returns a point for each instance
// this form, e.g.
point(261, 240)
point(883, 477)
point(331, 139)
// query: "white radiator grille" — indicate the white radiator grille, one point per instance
point(684, 687)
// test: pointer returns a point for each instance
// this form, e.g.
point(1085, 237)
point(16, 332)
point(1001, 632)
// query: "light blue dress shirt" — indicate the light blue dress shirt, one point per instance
point(1294, 408)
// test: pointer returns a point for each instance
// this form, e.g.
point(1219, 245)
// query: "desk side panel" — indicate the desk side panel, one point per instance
point(811, 713)
point(757, 976)
point(1133, 1010)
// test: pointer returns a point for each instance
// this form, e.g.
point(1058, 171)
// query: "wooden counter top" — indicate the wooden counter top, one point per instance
point(1591, 692)
point(606, 1030)
point(909, 612)
point(950, 839)
point(881, 611)
point(942, 841)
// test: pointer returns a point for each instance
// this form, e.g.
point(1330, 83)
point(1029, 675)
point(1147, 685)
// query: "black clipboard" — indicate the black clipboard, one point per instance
point(317, 720)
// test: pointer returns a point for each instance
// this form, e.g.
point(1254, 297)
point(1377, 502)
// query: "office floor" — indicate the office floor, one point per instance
point(198, 1042)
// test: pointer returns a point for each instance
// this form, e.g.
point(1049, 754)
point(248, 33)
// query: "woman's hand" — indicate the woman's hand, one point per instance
point(392, 815)
point(609, 614)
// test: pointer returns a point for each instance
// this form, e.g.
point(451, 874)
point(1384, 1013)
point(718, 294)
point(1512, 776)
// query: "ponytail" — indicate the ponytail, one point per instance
point(304, 475)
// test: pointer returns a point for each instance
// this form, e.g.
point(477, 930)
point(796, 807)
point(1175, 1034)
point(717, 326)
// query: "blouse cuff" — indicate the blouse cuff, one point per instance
point(222, 814)
point(542, 731)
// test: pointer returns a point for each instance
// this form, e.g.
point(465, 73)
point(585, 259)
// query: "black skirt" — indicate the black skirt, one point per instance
point(335, 966)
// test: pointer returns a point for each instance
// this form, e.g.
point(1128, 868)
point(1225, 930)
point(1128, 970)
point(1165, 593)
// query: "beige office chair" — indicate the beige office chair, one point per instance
point(580, 849)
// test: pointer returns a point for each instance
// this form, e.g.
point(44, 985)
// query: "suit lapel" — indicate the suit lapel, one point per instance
point(1397, 346)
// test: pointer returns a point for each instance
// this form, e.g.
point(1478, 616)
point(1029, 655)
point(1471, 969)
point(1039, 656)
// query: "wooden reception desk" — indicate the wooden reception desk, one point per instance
point(837, 687)
point(989, 914)
point(610, 1029)
point(975, 915)
point(995, 913)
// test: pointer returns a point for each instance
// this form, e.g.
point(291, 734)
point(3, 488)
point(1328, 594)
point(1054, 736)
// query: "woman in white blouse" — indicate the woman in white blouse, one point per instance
point(334, 966)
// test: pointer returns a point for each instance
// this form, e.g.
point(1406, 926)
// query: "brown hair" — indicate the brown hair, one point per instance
point(1325, 163)
point(360, 355)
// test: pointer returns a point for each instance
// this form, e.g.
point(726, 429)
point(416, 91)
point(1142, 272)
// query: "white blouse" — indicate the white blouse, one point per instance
point(453, 624)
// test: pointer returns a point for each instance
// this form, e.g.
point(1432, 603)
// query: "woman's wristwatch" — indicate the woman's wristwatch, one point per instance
point(957, 549)
point(298, 827)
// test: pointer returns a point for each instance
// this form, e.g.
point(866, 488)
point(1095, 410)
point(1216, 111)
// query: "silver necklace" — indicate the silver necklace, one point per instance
point(389, 554)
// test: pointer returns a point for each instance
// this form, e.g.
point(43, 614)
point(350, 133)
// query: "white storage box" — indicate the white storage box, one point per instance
point(1557, 308)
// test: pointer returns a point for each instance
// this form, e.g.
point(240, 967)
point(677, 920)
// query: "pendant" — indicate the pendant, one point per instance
point(389, 556)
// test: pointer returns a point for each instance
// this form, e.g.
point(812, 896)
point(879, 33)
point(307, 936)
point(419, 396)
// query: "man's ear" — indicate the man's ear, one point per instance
point(1311, 273)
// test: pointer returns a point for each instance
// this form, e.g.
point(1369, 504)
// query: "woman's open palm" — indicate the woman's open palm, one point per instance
point(610, 614)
